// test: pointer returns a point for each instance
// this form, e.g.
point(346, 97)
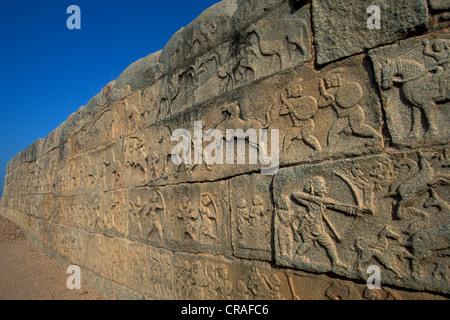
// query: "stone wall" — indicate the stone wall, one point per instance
point(364, 160)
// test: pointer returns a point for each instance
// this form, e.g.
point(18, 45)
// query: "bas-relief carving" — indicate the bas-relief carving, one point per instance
point(147, 215)
point(210, 279)
point(171, 217)
point(251, 216)
point(154, 267)
point(147, 156)
point(413, 78)
point(328, 113)
point(132, 111)
point(319, 115)
point(136, 167)
point(114, 213)
point(100, 129)
point(98, 170)
point(69, 243)
point(198, 219)
point(258, 52)
point(120, 260)
point(389, 210)
point(102, 213)
point(106, 256)
point(213, 27)
point(252, 54)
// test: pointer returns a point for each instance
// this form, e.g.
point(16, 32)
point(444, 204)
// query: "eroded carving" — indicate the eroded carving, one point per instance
point(302, 110)
point(398, 201)
point(148, 212)
point(413, 78)
point(345, 98)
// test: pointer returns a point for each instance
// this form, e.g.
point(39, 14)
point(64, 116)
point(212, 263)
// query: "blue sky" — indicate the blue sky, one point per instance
point(48, 71)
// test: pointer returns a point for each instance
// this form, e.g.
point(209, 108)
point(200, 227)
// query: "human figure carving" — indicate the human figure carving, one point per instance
point(136, 208)
point(209, 217)
point(262, 286)
point(243, 214)
point(345, 98)
point(285, 227)
point(153, 213)
point(190, 218)
point(199, 282)
point(432, 237)
point(136, 156)
point(311, 227)
point(418, 179)
point(440, 51)
point(302, 110)
point(256, 217)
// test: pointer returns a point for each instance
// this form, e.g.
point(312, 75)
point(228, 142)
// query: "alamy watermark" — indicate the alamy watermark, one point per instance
point(74, 280)
point(374, 21)
point(74, 20)
point(374, 280)
point(191, 151)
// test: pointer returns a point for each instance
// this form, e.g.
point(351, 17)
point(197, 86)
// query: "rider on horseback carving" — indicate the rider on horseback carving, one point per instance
point(440, 52)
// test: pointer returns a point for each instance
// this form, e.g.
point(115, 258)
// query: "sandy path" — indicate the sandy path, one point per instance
point(26, 273)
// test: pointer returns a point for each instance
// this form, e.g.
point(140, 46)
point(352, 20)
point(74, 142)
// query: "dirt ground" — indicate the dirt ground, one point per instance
point(26, 273)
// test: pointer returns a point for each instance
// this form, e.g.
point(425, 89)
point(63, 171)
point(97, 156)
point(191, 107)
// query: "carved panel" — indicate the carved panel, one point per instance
point(252, 54)
point(388, 210)
point(147, 215)
point(136, 159)
point(208, 278)
point(413, 77)
point(251, 216)
point(120, 260)
point(198, 217)
point(114, 213)
point(155, 267)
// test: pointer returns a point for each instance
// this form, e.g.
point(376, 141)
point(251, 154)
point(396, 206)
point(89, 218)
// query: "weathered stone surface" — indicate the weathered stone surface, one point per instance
point(340, 28)
point(390, 210)
point(251, 216)
point(140, 74)
point(361, 178)
point(413, 80)
point(439, 5)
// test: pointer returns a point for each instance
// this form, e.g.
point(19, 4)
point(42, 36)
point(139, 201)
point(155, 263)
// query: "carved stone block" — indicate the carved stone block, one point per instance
point(322, 114)
point(278, 41)
point(211, 278)
point(147, 216)
point(414, 82)
point(340, 28)
point(251, 216)
point(388, 210)
point(114, 213)
point(310, 144)
point(198, 218)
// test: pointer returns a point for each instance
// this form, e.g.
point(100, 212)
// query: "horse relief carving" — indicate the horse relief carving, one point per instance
point(414, 82)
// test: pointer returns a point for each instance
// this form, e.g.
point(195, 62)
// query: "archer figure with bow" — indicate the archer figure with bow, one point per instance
point(311, 226)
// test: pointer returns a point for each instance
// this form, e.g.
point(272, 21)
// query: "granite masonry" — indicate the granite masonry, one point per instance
point(364, 160)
